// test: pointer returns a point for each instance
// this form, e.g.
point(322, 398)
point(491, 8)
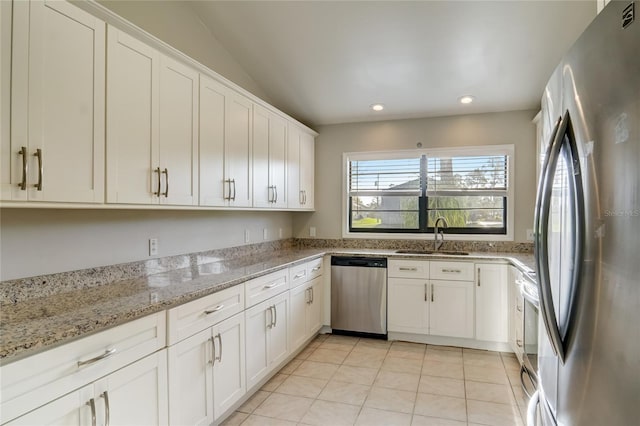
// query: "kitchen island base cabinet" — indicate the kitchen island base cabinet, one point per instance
point(266, 339)
point(136, 394)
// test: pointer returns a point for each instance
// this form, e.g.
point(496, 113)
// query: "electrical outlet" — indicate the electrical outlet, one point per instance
point(312, 231)
point(279, 232)
point(265, 234)
point(530, 235)
point(246, 235)
point(153, 246)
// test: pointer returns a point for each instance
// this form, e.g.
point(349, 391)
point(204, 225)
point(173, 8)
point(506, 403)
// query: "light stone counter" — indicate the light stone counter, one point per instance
point(31, 324)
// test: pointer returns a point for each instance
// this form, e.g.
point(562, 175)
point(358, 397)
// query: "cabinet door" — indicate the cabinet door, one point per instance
point(228, 366)
point(132, 120)
point(138, 393)
point(491, 303)
point(298, 328)
point(307, 164)
point(278, 342)
point(212, 111)
point(238, 149)
point(451, 309)
point(178, 136)
point(258, 321)
point(58, 113)
point(73, 409)
point(314, 308)
point(263, 191)
point(7, 155)
point(408, 309)
point(277, 159)
point(294, 196)
point(191, 380)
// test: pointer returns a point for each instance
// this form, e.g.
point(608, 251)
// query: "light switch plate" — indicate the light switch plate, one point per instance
point(312, 231)
point(530, 235)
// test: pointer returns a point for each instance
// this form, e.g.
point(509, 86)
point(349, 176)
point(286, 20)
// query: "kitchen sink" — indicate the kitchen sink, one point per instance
point(449, 252)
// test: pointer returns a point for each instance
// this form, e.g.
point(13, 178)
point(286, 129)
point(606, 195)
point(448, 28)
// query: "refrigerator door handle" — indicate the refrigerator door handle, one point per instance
point(541, 244)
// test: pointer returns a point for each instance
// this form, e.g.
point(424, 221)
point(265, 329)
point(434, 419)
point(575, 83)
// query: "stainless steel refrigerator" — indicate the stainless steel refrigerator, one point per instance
point(587, 225)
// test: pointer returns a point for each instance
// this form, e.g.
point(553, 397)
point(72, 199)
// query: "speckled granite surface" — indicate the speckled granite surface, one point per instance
point(41, 312)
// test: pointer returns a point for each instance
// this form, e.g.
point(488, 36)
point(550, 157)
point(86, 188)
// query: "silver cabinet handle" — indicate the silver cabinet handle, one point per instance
point(305, 197)
point(519, 308)
point(432, 292)
point(478, 277)
point(300, 197)
point(271, 197)
point(425, 291)
point(300, 275)
point(92, 403)
point(224, 183)
point(106, 354)
point(275, 316)
point(212, 361)
point(519, 343)
point(270, 286)
point(25, 167)
point(216, 309)
point(219, 340)
point(312, 295)
point(158, 192)
point(308, 294)
point(166, 182)
point(275, 188)
point(452, 271)
point(234, 189)
point(317, 268)
point(404, 268)
point(105, 395)
point(270, 324)
point(38, 154)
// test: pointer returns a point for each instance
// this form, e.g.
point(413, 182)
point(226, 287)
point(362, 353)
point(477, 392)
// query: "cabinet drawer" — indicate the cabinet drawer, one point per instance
point(456, 271)
point(262, 288)
point(31, 382)
point(298, 275)
point(314, 268)
point(192, 317)
point(408, 268)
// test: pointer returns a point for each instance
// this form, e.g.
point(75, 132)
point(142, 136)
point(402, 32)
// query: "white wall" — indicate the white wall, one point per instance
point(175, 23)
point(479, 129)
point(44, 241)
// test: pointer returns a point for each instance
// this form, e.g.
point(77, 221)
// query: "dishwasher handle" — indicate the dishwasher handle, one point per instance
point(361, 262)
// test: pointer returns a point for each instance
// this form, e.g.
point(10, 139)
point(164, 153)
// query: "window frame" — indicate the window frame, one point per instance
point(469, 235)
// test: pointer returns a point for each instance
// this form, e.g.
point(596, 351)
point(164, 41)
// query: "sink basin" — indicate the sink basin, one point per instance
point(449, 252)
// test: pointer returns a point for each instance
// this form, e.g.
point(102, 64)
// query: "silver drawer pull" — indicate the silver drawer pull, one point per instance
point(106, 354)
point(300, 275)
point(404, 268)
point(317, 268)
point(211, 311)
point(452, 271)
point(267, 287)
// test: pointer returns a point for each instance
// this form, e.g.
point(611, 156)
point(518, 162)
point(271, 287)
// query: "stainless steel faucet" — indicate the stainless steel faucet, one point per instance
point(436, 231)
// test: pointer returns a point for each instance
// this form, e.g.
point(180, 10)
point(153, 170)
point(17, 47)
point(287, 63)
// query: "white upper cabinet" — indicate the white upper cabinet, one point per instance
point(300, 168)
point(178, 133)
point(6, 156)
point(133, 70)
point(213, 98)
point(237, 147)
point(152, 134)
point(56, 151)
point(269, 156)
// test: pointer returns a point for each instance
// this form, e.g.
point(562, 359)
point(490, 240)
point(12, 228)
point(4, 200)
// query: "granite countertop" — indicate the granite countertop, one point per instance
point(33, 325)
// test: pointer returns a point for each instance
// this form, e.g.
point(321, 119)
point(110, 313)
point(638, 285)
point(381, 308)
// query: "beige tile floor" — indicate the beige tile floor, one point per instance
point(340, 380)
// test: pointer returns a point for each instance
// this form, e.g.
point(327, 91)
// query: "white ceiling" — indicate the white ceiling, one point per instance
point(326, 62)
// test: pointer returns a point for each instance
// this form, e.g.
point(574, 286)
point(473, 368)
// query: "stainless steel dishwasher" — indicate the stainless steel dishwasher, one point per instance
point(359, 296)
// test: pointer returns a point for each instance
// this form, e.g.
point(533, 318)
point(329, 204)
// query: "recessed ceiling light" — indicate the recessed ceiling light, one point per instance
point(466, 99)
point(377, 107)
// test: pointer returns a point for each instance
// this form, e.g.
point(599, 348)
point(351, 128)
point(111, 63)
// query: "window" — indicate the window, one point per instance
point(405, 192)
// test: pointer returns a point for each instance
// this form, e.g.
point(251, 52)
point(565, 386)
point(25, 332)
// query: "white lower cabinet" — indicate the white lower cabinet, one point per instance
point(420, 305)
point(136, 394)
point(492, 323)
point(266, 338)
point(206, 373)
point(306, 311)
point(451, 309)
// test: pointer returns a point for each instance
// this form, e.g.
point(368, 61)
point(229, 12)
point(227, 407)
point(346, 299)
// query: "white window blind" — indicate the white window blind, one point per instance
point(467, 175)
point(384, 177)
